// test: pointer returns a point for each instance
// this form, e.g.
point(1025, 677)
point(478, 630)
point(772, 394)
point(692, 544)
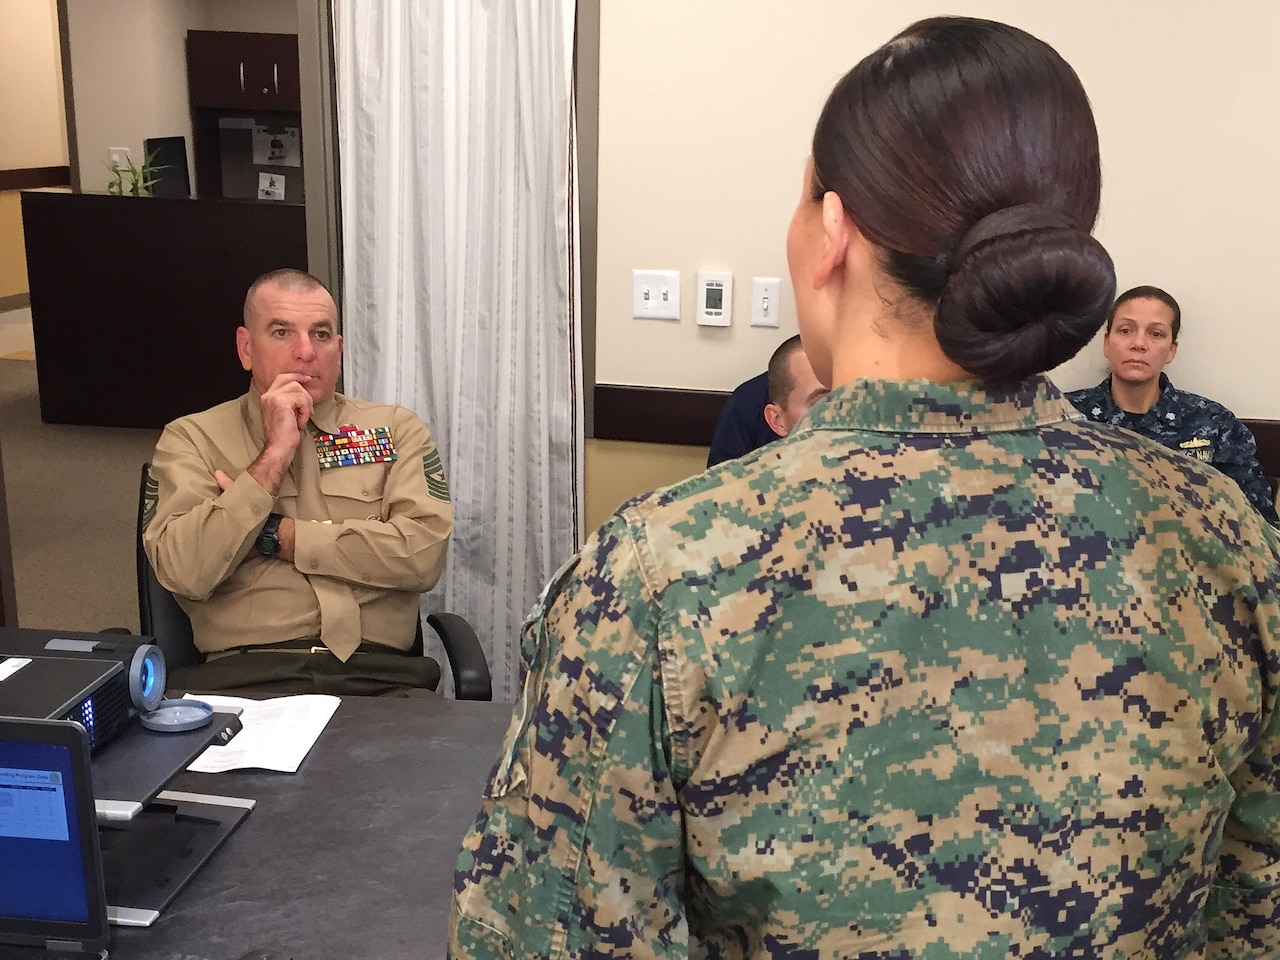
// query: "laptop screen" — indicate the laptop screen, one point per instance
point(50, 866)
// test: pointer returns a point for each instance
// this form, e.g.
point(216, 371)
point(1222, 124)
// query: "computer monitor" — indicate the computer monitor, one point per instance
point(51, 883)
point(169, 166)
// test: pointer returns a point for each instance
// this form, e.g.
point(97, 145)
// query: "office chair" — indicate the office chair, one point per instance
point(161, 618)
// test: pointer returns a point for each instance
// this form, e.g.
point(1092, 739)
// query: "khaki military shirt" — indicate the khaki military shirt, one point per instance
point(370, 537)
point(946, 673)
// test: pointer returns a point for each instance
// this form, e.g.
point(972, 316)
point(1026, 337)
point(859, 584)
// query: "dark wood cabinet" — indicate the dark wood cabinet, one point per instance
point(243, 71)
point(237, 82)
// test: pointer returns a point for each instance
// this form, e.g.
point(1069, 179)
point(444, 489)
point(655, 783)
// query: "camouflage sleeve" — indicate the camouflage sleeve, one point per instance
point(1243, 915)
point(1243, 912)
point(577, 850)
point(1237, 458)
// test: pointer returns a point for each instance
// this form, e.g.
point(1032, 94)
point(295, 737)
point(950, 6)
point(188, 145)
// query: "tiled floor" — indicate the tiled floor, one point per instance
point(16, 342)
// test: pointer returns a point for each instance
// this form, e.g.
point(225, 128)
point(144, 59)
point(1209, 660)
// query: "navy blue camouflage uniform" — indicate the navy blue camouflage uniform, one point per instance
point(1197, 426)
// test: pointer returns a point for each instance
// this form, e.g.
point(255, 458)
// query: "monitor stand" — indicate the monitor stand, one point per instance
point(148, 859)
point(154, 840)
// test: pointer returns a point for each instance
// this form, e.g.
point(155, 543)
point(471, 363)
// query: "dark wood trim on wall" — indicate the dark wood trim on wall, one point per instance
point(688, 418)
point(1267, 433)
point(28, 178)
point(657, 414)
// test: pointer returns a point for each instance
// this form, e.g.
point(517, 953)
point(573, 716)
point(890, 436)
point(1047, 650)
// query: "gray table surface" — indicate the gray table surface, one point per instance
point(351, 857)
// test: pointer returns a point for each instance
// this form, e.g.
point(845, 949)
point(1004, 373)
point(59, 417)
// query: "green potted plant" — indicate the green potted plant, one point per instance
point(140, 179)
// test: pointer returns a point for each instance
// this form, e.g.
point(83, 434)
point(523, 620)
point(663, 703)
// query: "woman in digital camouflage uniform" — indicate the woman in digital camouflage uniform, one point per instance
point(946, 673)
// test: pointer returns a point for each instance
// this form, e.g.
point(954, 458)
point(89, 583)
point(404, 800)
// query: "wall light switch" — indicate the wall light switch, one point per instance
point(119, 156)
point(655, 294)
point(715, 298)
point(766, 294)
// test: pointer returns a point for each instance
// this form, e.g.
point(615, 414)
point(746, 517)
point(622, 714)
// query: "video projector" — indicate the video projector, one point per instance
point(101, 680)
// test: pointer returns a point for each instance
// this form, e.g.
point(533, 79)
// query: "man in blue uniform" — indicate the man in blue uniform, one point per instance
point(766, 407)
point(1141, 339)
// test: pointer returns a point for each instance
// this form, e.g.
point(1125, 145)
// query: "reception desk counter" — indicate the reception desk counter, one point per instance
point(135, 300)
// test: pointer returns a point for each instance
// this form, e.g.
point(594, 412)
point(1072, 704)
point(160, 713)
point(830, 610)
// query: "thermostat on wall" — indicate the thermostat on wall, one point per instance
point(715, 298)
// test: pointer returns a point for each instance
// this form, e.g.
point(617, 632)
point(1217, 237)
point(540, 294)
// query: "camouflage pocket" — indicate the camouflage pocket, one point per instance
point(511, 775)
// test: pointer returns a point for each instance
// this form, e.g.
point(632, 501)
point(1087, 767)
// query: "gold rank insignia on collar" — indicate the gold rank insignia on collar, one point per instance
point(1197, 447)
point(351, 446)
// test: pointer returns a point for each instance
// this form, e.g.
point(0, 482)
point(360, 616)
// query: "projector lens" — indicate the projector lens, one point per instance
point(147, 677)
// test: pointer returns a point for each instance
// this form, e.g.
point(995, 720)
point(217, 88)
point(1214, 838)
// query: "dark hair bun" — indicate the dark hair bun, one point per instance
point(1027, 290)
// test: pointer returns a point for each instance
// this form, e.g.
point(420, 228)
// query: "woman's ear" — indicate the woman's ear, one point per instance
point(837, 231)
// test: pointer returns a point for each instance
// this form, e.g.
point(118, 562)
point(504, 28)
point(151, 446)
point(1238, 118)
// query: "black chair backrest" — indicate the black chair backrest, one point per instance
point(159, 615)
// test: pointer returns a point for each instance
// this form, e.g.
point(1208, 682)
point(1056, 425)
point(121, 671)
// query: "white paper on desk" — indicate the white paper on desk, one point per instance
point(275, 734)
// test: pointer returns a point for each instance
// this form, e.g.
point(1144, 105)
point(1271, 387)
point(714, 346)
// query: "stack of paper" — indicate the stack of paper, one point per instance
point(277, 734)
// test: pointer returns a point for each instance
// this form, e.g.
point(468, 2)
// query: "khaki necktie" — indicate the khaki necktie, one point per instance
point(339, 611)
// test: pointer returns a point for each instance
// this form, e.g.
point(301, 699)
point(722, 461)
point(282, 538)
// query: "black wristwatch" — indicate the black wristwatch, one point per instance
point(269, 539)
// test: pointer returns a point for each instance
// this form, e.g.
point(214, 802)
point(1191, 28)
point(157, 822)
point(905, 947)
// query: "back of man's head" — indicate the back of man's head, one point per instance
point(1147, 292)
point(780, 379)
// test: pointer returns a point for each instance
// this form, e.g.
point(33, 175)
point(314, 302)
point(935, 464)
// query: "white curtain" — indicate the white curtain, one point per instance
point(460, 300)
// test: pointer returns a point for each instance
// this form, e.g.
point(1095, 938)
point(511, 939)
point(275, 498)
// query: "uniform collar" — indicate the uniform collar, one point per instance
point(1165, 409)
point(327, 414)
point(924, 406)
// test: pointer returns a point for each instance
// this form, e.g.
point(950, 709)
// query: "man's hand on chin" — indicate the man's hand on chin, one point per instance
point(286, 407)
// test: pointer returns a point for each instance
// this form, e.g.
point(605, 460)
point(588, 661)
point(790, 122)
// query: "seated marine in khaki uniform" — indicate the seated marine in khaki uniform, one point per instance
point(297, 526)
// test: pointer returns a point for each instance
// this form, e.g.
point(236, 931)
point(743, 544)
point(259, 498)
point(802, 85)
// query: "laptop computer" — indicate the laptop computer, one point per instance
point(52, 894)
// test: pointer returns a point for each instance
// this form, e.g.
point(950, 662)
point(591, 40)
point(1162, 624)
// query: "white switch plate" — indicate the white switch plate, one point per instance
point(119, 156)
point(655, 294)
point(715, 298)
point(766, 296)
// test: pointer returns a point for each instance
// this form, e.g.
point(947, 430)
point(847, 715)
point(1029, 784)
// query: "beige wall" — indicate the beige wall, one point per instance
point(616, 472)
point(128, 76)
point(129, 68)
point(32, 127)
point(13, 255)
point(254, 16)
point(32, 131)
point(706, 110)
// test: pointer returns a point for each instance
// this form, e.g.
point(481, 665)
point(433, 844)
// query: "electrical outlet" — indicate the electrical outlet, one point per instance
point(119, 156)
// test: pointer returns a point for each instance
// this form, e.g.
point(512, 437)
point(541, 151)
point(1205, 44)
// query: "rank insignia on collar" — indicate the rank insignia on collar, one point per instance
point(1198, 447)
point(351, 446)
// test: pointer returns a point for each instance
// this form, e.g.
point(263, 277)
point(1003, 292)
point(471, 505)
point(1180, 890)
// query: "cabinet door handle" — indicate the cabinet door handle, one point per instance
point(275, 75)
point(242, 76)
